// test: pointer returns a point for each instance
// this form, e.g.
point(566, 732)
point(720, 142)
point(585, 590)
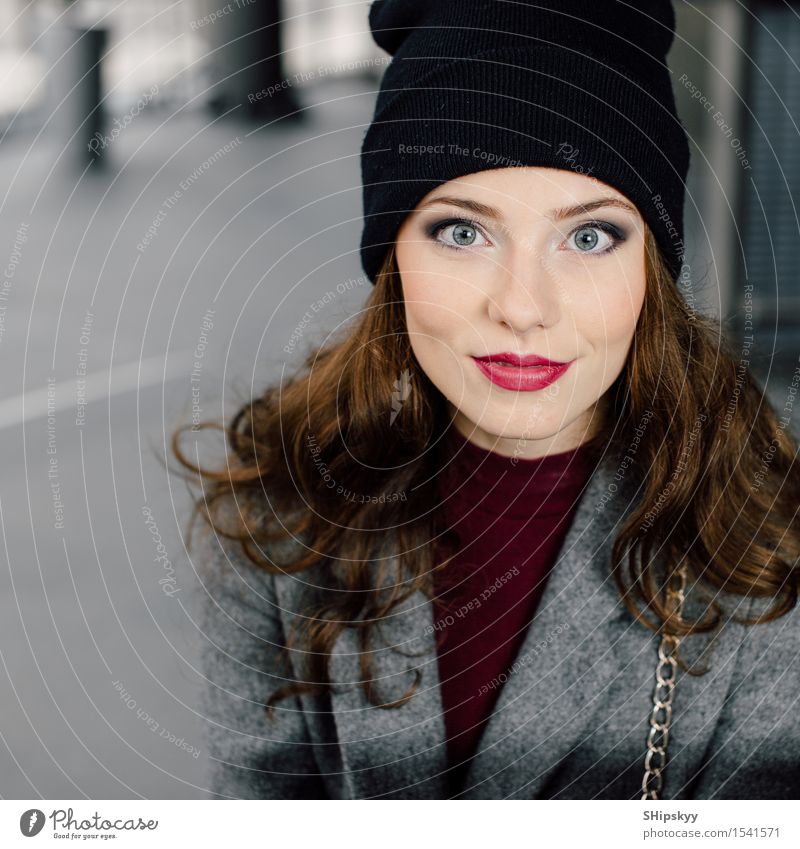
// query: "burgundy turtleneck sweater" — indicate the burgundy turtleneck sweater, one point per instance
point(510, 521)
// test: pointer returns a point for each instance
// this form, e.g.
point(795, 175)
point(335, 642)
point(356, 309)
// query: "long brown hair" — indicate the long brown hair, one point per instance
point(329, 459)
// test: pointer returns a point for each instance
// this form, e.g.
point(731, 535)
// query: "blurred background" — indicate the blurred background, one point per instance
point(179, 186)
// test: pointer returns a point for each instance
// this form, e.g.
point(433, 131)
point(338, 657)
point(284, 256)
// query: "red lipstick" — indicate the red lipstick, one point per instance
point(523, 374)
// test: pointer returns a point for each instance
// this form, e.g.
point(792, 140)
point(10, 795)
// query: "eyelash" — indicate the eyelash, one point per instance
point(609, 229)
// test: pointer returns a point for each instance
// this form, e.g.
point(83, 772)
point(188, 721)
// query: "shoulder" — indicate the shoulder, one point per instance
point(230, 583)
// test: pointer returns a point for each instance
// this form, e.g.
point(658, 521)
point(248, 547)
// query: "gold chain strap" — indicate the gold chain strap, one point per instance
point(655, 759)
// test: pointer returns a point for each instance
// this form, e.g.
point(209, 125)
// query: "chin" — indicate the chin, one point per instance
point(519, 427)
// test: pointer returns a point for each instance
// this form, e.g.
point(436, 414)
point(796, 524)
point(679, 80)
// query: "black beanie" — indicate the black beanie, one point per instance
point(574, 84)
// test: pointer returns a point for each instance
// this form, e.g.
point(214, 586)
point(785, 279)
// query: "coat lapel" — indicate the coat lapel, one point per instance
point(384, 752)
point(392, 752)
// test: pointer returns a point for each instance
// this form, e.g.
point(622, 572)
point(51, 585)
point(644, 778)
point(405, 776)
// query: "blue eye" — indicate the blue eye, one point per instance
point(464, 235)
point(586, 237)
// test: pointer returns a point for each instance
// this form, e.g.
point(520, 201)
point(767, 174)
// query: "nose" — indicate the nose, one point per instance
point(526, 292)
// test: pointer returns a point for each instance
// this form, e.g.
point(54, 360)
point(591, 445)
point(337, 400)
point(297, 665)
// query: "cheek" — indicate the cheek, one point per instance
point(432, 318)
point(607, 314)
point(438, 324)
point(435, 301)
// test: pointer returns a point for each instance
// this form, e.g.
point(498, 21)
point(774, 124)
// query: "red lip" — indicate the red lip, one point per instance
point(521, 374)
point(516, 360)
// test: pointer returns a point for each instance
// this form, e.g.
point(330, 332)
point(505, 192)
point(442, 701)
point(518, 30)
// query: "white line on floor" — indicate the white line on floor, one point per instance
point(124, 378)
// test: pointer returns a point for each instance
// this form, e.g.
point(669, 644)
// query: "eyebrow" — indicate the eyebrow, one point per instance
point(555, 214)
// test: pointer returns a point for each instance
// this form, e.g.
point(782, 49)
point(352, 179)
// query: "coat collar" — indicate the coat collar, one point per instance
point(566, 654)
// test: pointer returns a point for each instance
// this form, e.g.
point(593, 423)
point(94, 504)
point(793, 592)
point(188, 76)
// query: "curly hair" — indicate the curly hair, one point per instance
point(720, 487)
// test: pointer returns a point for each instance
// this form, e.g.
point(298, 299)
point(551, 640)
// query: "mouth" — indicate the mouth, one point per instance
point(506, 358)
point(521, 374)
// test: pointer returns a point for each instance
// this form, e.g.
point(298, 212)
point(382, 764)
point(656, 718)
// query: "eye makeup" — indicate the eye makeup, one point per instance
point(617, 234)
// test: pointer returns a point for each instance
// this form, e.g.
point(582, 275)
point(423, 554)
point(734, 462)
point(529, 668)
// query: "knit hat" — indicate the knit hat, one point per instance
point(573, 84)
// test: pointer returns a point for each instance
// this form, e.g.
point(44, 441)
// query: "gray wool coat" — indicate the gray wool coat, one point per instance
point(571, 720)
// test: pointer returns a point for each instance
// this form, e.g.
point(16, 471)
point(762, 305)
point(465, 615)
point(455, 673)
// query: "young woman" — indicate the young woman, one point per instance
point(528, 530)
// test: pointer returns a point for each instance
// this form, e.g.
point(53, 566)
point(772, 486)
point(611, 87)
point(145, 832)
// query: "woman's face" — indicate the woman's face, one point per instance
point(510, 263)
